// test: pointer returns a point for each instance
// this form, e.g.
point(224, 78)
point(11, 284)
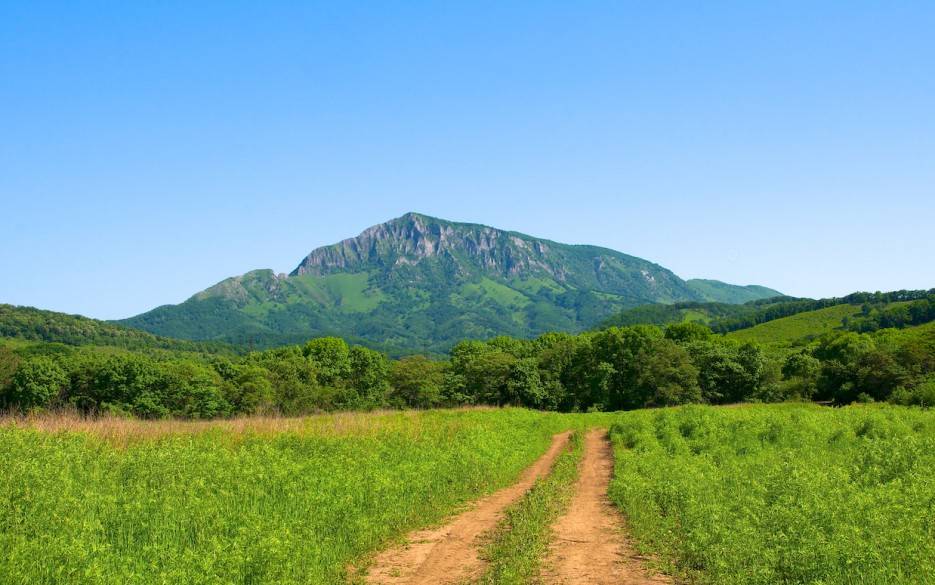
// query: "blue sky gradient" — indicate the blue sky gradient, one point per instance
point(149, 150)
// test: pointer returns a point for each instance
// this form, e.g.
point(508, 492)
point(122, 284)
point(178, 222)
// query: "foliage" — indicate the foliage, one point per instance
point(36, 383)
point(417, 382)
point(798, 329)
point(922, 394)
point(791, 494)
point(615, 368)
point(772, 311)
point(37, 325)
point(9, 362)
point(875, 316)
point(791, 321)
point(667, 314)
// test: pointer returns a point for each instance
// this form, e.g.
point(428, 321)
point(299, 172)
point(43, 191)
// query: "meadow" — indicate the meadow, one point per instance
point(781, 493)
point(295, 501)
point(788, 493)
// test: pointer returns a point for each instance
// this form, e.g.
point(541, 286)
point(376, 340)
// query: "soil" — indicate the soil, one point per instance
point(449, 554)
point(589, 543)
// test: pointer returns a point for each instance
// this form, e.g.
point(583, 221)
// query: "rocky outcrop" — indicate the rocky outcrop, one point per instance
point(412, 238)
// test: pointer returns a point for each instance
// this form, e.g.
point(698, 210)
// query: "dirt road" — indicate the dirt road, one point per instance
point(589, 546)
point(449, 554)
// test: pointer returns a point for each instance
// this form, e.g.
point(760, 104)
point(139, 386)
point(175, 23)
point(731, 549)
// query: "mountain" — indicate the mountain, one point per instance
point(418, 283)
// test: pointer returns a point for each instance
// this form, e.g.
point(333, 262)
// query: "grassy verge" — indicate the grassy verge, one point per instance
point(247, 503)
point(522, 539)
point(781, 493)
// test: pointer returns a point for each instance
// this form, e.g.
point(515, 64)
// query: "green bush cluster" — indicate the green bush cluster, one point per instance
point(875, 316)
point(324, 374)
point(781, 494)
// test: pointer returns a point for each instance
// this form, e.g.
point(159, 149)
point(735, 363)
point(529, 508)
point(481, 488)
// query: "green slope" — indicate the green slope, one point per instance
point(419, 283)
point(28, 324)
point(662, 315)
point(721, 292)
point(798, 327)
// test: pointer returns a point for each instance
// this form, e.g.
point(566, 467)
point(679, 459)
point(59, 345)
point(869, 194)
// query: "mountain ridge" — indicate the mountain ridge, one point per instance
point(421, 283)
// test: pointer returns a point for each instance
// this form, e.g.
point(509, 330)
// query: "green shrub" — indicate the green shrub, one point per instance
point(36, 383)
point(922, 394)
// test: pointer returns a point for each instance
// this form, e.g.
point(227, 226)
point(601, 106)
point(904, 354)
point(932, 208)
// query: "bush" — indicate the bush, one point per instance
point(922, 394)
point(36, 384)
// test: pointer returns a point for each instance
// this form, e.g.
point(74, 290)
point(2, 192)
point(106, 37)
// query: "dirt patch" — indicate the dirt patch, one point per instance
point(449, 554)
point(589, 545)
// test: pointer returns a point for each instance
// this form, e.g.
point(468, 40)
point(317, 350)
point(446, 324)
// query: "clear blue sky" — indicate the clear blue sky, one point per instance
point(149, 150)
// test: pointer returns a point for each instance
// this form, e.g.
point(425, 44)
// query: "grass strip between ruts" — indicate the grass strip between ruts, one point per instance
point(522, 538)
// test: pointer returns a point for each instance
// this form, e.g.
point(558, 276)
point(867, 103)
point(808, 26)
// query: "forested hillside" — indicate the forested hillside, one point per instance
point(611, 369)
point(31, 324)
point(419, 284)
point(788, 319)
point(707, 313)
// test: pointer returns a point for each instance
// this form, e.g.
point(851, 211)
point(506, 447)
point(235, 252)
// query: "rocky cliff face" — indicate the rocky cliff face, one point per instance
point(470, 248)
point(413, 238)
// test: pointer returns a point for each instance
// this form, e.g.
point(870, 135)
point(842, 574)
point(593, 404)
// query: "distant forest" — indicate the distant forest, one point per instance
point(887, 352)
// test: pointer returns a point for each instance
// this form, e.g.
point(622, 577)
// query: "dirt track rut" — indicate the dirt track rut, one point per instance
point(449, 554)
point(589, 546)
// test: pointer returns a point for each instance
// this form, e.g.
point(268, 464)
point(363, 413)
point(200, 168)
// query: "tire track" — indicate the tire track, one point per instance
point(449, 554)
point(589, 546)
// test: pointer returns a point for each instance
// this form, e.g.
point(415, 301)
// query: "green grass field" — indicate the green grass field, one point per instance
point(782, 493)
point(797, 327)
point(292, 504)
point(752, 494)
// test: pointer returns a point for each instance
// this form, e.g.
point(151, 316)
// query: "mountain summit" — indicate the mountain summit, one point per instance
point(418, 283)
point(464, 250)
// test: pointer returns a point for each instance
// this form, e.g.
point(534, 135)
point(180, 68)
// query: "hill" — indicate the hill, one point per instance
point(721, 292)
point(418, 283)
point(799, 327)
point(787, 320)
point(709, 313)
point(36, 325)
point(859, 312)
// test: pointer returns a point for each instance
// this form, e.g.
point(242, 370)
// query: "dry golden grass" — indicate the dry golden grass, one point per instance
point(120, 430)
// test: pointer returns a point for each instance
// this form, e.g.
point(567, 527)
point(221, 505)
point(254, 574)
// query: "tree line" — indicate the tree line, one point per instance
point(616, 368)
point(771, 310)
point(875, 316)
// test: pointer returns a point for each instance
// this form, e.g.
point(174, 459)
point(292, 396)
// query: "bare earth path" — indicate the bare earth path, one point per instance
point(589, 545)
point(449, 554)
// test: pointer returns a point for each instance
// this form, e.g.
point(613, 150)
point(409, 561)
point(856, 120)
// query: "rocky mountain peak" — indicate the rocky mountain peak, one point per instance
point(418, 282)
point(414, 237)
